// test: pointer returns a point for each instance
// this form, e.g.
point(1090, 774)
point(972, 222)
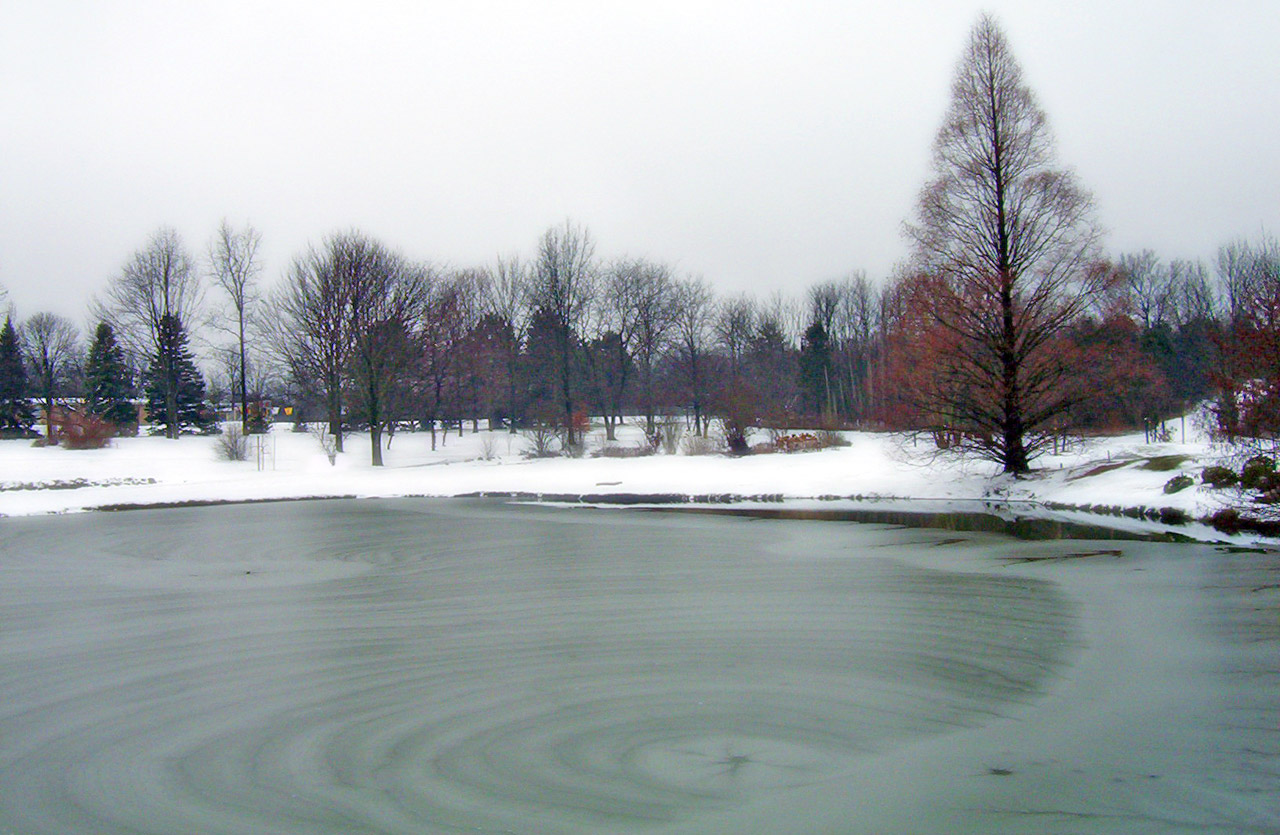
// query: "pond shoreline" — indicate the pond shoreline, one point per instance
point(1120, 483)
point(1020, 518)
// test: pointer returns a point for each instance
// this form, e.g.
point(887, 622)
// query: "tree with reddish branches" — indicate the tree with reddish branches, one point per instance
point(1012, 238)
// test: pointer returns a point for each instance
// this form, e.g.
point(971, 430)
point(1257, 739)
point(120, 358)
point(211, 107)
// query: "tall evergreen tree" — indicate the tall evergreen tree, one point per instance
point(173, 384)
point(107, 385)
point(815, 370)
point(15, 410)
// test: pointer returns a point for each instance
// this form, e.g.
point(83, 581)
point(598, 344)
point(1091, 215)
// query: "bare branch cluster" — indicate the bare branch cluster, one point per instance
point(1014, 241)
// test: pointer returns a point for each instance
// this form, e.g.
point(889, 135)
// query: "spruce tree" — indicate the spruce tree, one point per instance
point(815, 370)
point(16, 416)
point(173, 385)
point(106, 381)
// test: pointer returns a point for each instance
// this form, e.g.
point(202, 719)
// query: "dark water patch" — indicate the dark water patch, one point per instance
point(1078, 555)
point(1020, 527)
point(1026, 520)
point(124, 506)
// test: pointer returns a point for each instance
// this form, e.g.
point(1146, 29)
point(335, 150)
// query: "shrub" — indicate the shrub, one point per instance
point(81, 431)
point(800, 442)
point(829, 438)
point(735, 436)
point(1173, 516)
point(1258, 473)
point(640, 450)
point(545, 439)
point(1271, 496)
point(1219, 476)
point(1177, 483)
point(328, 443)
point(669, 432)
point(1226, 520)
point(1164, 463)
point(738, 414)
point(232, 444)
point(701, 445)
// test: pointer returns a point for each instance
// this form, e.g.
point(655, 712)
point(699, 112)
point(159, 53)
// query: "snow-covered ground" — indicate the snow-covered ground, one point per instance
point(1113, 471)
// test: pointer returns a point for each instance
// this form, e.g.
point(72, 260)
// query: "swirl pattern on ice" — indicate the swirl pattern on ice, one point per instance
point(411, 666)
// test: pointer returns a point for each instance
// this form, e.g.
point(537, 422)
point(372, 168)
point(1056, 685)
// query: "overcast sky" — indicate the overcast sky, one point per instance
point(764, 146)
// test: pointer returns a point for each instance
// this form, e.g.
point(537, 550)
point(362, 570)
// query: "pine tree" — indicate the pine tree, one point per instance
point(107, 380)
point(815, 370)
point(173, 385)
point(15, 410)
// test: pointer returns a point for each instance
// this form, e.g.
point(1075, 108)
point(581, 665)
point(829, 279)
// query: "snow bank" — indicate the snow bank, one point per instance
point(1122, 471)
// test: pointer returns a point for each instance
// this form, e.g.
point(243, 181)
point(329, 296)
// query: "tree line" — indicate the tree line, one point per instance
point(1007, 328)
point(356, 335)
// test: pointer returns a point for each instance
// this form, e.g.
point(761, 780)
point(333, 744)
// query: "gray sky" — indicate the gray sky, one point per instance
point(765, 146)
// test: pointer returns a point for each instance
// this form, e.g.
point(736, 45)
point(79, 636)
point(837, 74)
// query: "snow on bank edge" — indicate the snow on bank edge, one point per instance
point(1116, 472)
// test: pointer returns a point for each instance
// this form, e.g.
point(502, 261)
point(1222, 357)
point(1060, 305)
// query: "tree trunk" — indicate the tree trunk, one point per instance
point(375, 422)
point(172, 430)
point(375, 443)
point(565, 382)
point(512, 358)
point(244, 386)
point(333, 409)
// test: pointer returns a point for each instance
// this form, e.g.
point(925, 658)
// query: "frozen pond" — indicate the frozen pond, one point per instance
point(411, 666)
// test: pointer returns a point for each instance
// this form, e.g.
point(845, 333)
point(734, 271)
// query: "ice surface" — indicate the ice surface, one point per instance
point(422, 666)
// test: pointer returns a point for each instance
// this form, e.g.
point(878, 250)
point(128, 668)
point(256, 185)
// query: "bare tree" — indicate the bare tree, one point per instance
point(784, 313)
point(310, 329)
point(824, 304)
point(468, 288)
point(158, 285)
point(227, 373)
point(508, 300)
point(563, 286)
point(1013, 238)
point(1248, 373)
point(1194, 300)
point(233, 261)
point(819, 376)
point(438, 352)
point(51, 344)
point(855, 330)
point(1147, 286)
point(1237, 275)
point(387, 299)
point(626, 328)
point(695, 306)
point(345, 321)
point(735, 326)
point(655, 317)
